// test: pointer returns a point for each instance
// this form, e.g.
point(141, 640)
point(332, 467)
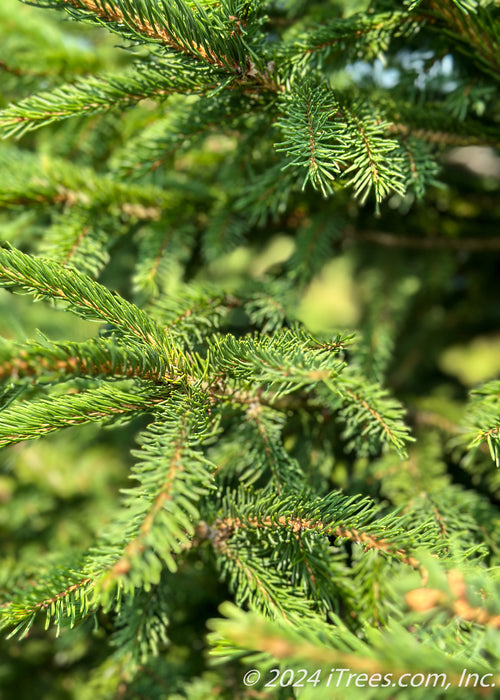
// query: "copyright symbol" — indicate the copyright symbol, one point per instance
point(251, 677)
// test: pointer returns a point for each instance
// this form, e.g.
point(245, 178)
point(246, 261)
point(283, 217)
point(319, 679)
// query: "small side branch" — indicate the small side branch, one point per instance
point(392, 240)
point(224, 528)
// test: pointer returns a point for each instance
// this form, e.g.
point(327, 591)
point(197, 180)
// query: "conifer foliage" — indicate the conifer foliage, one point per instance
point(221, 484)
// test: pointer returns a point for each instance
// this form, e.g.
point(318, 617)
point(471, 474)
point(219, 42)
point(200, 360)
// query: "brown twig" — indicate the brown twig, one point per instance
point(224, 528)
point(393, 240)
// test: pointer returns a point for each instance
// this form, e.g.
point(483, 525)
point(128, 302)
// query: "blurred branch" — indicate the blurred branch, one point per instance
point(393, 240)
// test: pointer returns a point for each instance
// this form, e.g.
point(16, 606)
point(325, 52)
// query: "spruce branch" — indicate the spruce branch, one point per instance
point(475, 32)
point(394, 652)
point(194, 314)
point(282, 363)
point(172, 475)
point(271, 307)
point(483, 419)
point(372, 167)
point(31, 180)
point(262, 428)
point(184, 128)
point(96, 358)
point(293, 371)
point(334, 516)
point(161, 250)
point(334, 141)
point(94, 95)
point(341, 39)
point(313, 138)
point(203, 36)
point(32, 419)
point(83, 296)
point(372, 417)
point(79, 239)
point(175, 25)
point(141, 626)
point(256, 585)
point(418, 165)
point(65, 599)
